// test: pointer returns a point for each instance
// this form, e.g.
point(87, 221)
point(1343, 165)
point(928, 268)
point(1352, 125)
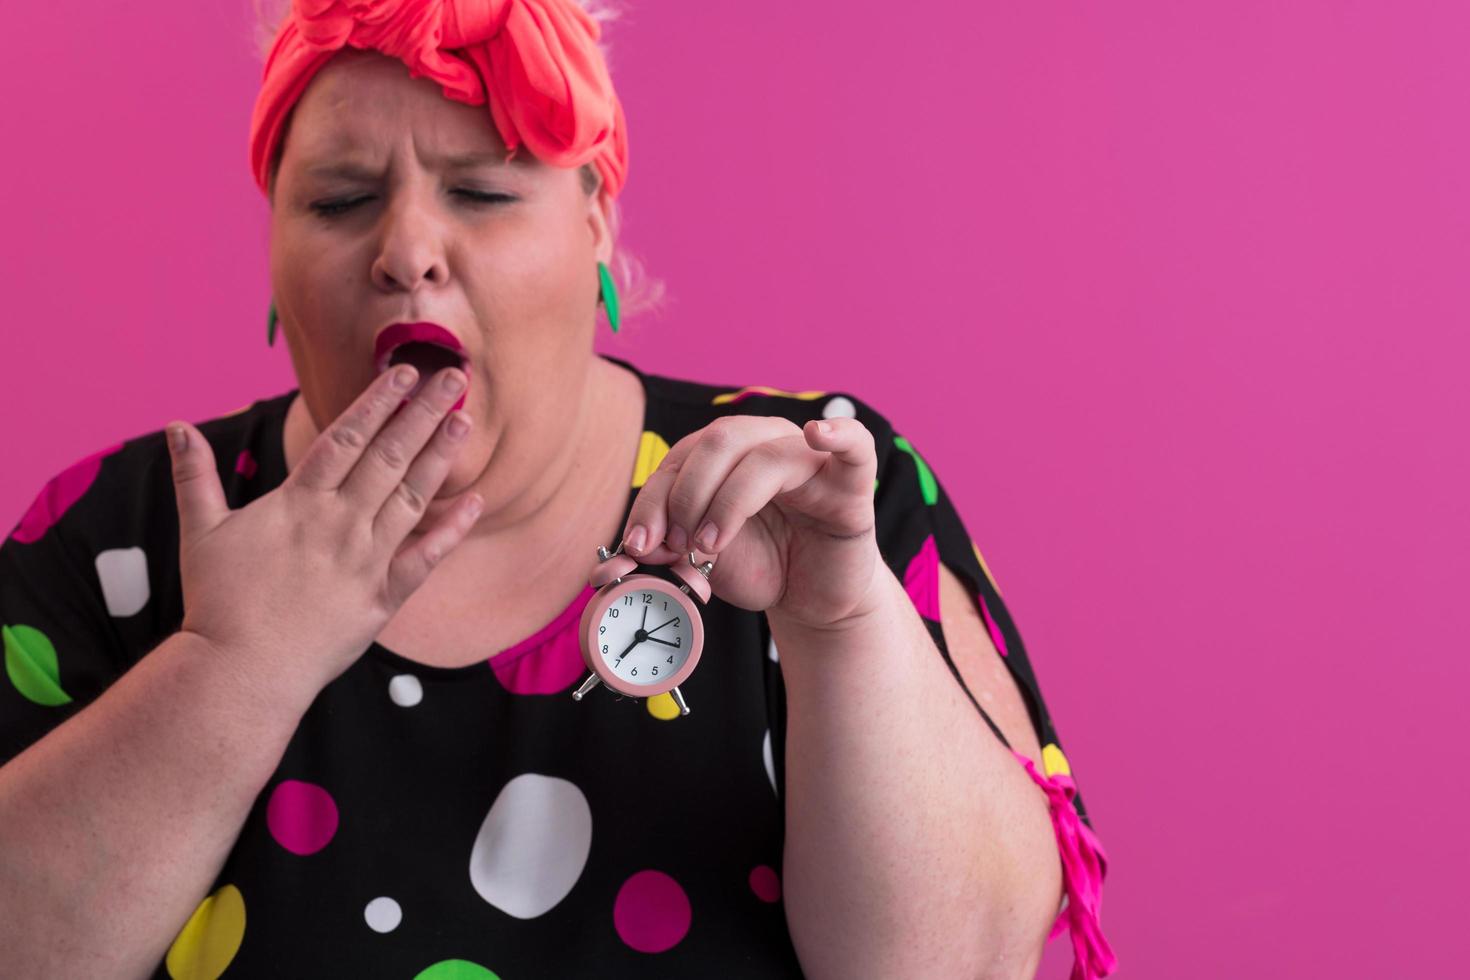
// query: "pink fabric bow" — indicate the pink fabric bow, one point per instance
point(535, 61)
point(1084, 865)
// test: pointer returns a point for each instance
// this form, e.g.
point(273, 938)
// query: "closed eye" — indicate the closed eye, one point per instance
point(328, 209)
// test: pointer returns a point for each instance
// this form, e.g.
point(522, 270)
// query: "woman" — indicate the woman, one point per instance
point(326, 644)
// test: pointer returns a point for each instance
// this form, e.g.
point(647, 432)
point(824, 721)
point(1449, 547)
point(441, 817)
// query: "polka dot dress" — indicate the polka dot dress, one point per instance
point(474, 822)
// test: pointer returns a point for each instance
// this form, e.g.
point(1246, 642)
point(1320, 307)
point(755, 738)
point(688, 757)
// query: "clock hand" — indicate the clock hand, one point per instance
point(661, 626)
point(628, 647)
point(667, 643)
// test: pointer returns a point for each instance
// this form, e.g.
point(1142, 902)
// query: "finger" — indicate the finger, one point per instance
point(724, 445)
point(413, 563)
point(687, 476)
point(773, 467)
point(381, 467)
point(854, 457)
point(197, 490)
point(332, 454)
point(647, 510)
point(827, 476)
point(406, 504)
point(647, 515)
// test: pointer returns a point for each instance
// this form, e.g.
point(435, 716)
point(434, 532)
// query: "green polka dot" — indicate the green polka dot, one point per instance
point(456, 970)
point(926, 478)
point(30, 660)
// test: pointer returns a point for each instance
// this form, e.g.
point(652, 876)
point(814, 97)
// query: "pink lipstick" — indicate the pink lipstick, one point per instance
point(435, 349)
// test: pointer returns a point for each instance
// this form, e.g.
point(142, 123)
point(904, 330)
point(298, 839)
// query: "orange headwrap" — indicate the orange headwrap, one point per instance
point(547, 83)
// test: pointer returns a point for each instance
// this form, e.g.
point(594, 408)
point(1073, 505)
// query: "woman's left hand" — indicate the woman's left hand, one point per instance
point(792, 508)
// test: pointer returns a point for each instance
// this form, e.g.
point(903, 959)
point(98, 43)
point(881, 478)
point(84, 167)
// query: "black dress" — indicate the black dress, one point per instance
point(475, 821)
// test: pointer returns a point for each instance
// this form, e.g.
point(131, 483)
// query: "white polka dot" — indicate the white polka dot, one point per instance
point(383, 914)
point(405, 690)
point(770, 762)
point(840, 407)
point(123, 573)
point(771, 651)
point(533, 845)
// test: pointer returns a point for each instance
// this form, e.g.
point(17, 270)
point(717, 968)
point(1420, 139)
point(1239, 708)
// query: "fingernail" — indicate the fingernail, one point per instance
point(678, 538)
point(453, 381)
point(637, 537)
point(178, 439)
point(402, 377)
point(706, 536)
point(458, 425)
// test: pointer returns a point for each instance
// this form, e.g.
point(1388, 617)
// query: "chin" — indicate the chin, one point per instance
point(463, 473)
point(454, 485)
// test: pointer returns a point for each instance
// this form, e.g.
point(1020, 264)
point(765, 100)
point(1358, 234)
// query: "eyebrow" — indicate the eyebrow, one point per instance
point(356, 171)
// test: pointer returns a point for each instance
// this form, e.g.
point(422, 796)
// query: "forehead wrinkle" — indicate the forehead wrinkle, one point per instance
point(347, 166)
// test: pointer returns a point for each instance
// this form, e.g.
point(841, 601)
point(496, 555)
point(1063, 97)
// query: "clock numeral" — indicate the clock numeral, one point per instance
point(647, 597)
point(635, 671)
point(602, 629)
point(655, 670)
point(604, 648)
point(613, 613)
point(668, 661)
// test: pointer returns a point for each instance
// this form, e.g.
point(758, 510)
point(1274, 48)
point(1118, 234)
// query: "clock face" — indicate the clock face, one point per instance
point(645, 636)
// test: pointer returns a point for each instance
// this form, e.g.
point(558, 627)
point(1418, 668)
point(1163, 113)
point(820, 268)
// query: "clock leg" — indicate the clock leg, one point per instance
point(592, 681)
point(678, 700)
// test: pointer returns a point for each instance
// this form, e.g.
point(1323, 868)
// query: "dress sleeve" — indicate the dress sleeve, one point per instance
point(61, 646)
point(917, 528)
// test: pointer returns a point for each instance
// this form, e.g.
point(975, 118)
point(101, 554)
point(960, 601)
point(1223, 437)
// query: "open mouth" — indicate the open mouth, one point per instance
point(427, 346)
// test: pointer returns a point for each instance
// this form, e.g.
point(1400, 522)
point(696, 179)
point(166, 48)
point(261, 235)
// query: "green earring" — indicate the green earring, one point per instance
point(608, 295)
point(270, 325)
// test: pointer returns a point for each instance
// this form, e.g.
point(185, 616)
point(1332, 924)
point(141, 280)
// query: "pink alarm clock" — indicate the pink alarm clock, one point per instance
point(641, 634)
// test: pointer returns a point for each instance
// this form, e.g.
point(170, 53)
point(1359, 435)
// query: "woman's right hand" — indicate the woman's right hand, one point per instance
point(303, 578)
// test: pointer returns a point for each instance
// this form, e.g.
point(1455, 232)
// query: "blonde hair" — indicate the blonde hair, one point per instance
point(637, 291)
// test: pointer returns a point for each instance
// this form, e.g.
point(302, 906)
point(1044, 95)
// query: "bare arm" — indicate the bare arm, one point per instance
point(915, 844)
point(115, 824)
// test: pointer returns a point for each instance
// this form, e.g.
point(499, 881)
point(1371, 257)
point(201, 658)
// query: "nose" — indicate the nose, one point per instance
point(411, 248)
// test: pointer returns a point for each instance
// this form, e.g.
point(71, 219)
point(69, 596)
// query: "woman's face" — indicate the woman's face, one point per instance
point(503, 256)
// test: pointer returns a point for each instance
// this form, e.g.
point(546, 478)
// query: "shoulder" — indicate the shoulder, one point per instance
point(695, 403)
point(105, 526)
point(108, 487)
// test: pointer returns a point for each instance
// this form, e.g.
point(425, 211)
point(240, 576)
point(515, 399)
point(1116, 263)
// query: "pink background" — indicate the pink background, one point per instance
point(1172, 296)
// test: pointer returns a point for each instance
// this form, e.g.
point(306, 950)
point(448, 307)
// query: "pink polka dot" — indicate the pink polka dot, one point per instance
point(302, 817)
point(550, 660)
point(651, 912)
point(59, 493)
point(921, 579)
point(996, 636)
point(765, 883)
point(245, 464)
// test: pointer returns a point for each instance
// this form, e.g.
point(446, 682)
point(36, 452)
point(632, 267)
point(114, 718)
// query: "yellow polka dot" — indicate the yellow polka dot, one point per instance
point(210, 939)
point(730, 396)
point(662, 707)
point(651, 451)
point(984, 567)
point(1053, 761)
